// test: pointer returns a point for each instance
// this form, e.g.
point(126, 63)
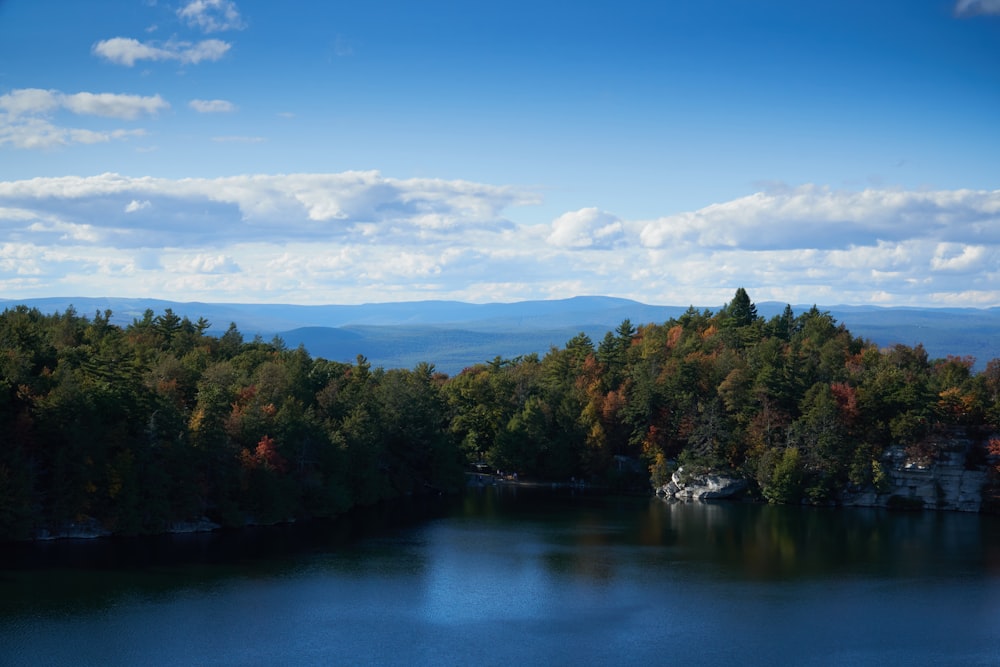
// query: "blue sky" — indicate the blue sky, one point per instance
point(332, 152)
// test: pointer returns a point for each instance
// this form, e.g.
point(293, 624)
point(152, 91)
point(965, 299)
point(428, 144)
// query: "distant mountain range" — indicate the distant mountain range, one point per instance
point(453, 335)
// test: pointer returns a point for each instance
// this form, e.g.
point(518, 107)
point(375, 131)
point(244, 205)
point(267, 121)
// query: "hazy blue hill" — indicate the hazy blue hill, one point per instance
point(450, 350)
point(268, 319)
point(942, 332)
point(453, 335)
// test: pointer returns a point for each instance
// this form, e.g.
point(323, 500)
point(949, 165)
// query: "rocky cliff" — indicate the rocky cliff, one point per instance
point(948, 470)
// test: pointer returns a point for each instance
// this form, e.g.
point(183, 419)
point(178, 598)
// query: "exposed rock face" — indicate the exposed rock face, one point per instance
point(942, 472)
point(707, 486)
point(940, 479)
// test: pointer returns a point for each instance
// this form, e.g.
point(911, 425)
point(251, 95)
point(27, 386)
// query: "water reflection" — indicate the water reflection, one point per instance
point(743, 540)
point(77, 576)
point(773, 542)
point(534, 576)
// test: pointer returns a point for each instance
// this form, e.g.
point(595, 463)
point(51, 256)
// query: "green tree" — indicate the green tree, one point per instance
point(741, 311)
point(781, 476)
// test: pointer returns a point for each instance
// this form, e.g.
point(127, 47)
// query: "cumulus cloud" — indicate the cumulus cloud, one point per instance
point(212, 106)
point(962, 257)
point(212, 15)
point(360, 236)
point(586, 228)
point(127, 51)
point(819, 217)
point(977, 7)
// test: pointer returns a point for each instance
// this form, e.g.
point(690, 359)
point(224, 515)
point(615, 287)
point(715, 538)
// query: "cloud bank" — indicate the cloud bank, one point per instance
point(360, 236)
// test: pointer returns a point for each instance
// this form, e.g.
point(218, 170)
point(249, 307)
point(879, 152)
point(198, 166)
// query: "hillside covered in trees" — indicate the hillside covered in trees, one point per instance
point(138, 428)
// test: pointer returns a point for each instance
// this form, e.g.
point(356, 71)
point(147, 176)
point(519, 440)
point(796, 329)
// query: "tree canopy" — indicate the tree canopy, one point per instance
point(141, 427)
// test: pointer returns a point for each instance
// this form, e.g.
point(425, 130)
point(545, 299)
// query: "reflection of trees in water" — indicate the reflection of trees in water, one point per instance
point(575, 539)
point(587, 537)
point(71, 576)
point(780, 541)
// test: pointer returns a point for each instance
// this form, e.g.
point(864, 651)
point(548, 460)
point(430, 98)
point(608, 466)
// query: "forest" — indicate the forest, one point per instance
point(136, 429)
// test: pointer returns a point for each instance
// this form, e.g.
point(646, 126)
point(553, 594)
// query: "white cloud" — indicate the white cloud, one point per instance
point(35, 101)
point(212, 106)
point(586, 228)
point(977, 7)
point(19, 259)
point(37, 133)
point(272, 208)
point(65, 231)
point(206, 263)
point(127, 51)
point(360, 236)
point(883, 257)
point(110, 105)
point(29, 101)
point(818, 217)
point(962, 258)
point(24, 116)
point(17, 214)
point(212, 15)
point(136, 205)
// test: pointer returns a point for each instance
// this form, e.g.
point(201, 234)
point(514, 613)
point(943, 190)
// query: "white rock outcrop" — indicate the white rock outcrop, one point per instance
point(707, 486)
point(942, 482)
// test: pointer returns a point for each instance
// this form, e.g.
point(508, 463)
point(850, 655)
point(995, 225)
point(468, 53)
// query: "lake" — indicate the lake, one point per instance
point(518, 575)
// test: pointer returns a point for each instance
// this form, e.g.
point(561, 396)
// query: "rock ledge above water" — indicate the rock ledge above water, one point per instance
point(706, 486)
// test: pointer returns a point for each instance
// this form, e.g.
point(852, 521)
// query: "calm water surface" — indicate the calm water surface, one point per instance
point(506, 576)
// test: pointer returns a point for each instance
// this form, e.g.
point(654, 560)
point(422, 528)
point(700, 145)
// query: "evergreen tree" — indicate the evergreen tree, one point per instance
point(741, 311)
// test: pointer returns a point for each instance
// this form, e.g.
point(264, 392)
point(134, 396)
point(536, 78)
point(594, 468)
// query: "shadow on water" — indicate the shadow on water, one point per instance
point(79, 574)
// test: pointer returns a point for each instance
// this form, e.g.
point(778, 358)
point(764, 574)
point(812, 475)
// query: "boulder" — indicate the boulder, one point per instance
point(702, 486)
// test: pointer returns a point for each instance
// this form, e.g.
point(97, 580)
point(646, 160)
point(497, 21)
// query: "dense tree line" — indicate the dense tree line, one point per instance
point(796, 404)
point(156, 423)
point(144, 426)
